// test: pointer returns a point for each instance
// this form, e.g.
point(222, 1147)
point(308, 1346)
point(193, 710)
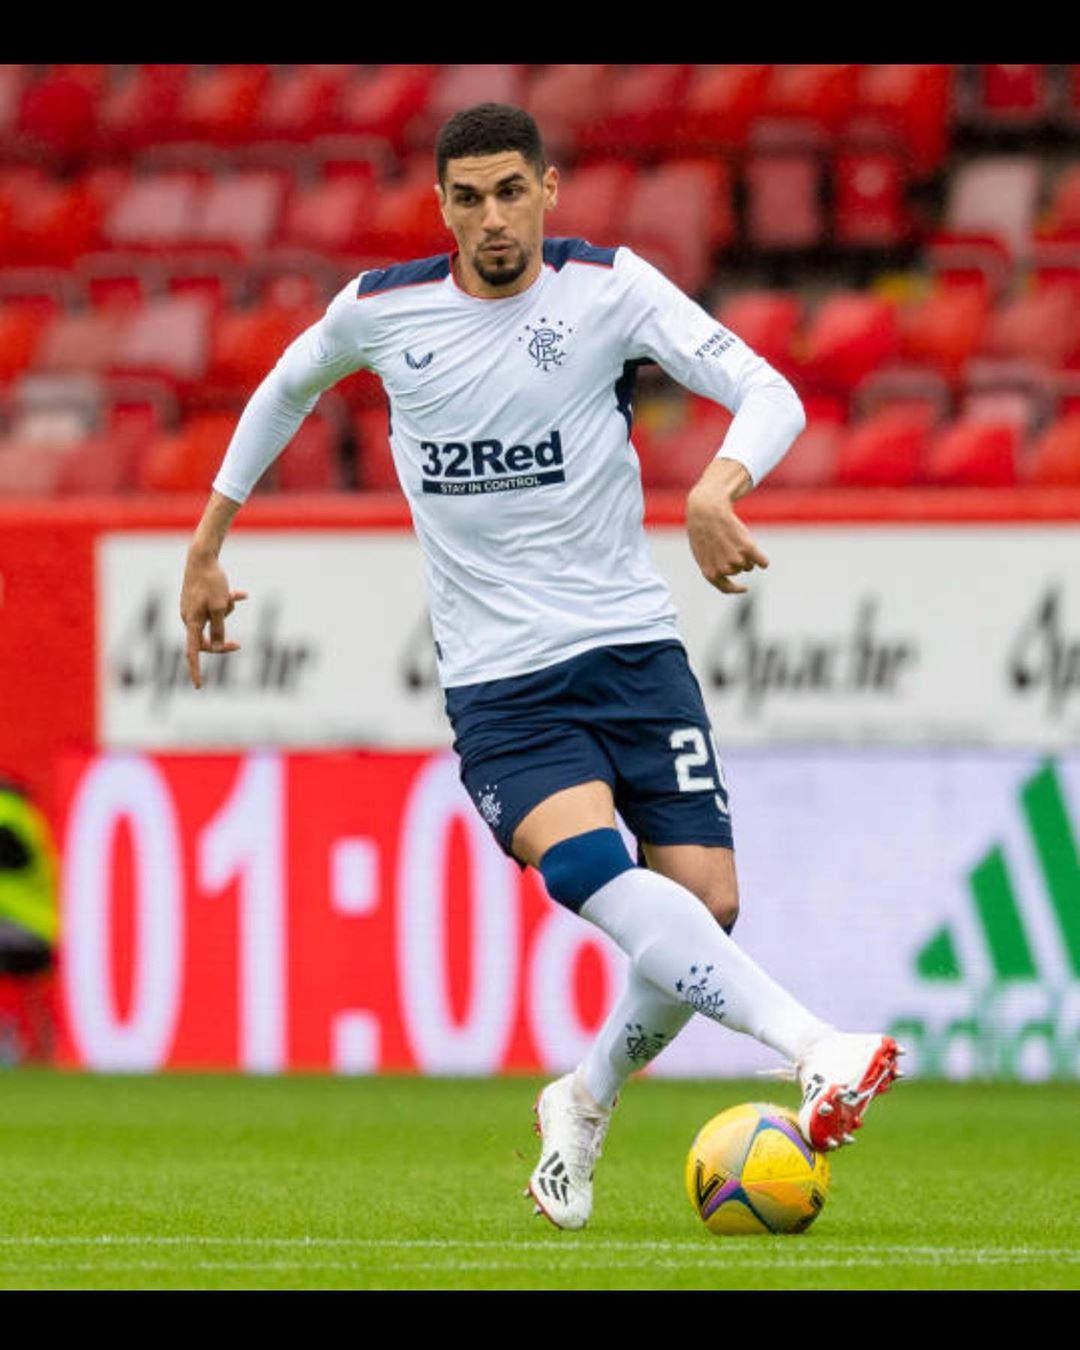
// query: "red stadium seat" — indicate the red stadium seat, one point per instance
point(309, 463)
point(850, 335)
point(805, 105)
point(565, 98)
point(461, 86)
point(1041, 326)
point(168, 339)
point(28, 469)
point(885, 450)
point(222, 104)
point(675, 456)
point(811, 461)
point(904, 387)
point(644, 112)
point(142, 109)
point(945, 329)
point(332, 217)
point(998, 196)
point(246, 345)
point(974, 453)
point(154, 212)
point(905, 107)
point(869, 206)
point(388, 102)
point(303, 103)
point(20, 332)
point(681, 211)
point(767, 321)
point(13, 80)
point(240, 211)
point(721, 104)
point(592, 202)
point(1010, 96)
point(99, 465)
point(80, 341)
point(188, 459)
point(784, 208)
point(406, 220)
point(58, 118)
point(1054, 460)
point(375, 470)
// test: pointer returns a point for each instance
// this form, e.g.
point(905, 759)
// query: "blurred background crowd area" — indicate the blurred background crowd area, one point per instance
point(903, 241)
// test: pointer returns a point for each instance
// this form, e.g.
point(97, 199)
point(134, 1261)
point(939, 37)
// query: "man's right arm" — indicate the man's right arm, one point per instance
point(317, 359)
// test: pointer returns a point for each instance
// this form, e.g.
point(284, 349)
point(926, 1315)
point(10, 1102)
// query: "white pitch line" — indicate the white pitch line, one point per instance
point(588, 1250)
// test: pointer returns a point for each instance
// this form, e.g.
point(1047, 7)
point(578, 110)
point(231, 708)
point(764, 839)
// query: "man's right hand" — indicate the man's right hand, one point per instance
point(206, 601)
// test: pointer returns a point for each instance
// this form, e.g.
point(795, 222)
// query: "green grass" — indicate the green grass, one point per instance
point(204, 1182)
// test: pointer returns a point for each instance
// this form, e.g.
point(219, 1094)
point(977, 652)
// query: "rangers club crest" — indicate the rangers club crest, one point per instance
point(544, 342)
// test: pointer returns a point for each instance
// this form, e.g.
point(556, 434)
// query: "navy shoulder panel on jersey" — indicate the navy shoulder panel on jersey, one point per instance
point(404, 274)
point(558, 252)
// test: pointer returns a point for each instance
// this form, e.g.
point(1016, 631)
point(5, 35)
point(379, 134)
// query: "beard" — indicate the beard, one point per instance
point(503, 269)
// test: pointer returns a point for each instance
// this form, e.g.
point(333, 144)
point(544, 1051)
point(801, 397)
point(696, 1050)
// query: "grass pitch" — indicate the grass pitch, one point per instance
point(208, 1182)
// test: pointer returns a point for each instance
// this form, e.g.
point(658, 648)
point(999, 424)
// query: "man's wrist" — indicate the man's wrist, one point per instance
point(725, 477)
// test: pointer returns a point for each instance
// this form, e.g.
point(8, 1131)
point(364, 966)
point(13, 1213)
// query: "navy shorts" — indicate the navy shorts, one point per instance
point(631, 715)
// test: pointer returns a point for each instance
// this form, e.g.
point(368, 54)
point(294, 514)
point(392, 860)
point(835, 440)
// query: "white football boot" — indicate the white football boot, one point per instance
point(571, 1128)
point(841, 1074)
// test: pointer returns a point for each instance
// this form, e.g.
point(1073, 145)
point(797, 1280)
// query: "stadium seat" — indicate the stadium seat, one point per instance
point(461, 86)
point(154, 212)
point(805, 105)
point(28, 469)
point(240, 211)
point(973, 453)
point(387, 102)
point(784, 207)
point(246, 344)
point(221, 103)
point(944, 329)
point(904, 107)
point(1054, 458)
point(302, 103)
point(186, 460)
point(20, 331)
point(99, 465)
point(309, 463)
point(564, 98)
point(811, 461)
point(644, 111)
point(767, 321)
point(141, 109)
point(1042, 325)
point(80, 341)
point(168, 339)
point(885, 450)
point(375, 470)
point(995, 195)
point(903, 387)
point(51, 223)
point(721, 104)
point(592, 202)
point(332, 217)
point(683, 210)
point(850, 335)
point(1010, 96)
point(869, 206)
point(405, 220)
point(58, 119)
point(674, 456)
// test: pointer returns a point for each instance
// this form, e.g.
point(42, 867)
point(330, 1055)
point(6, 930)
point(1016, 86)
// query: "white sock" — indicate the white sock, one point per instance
point(675, 943)
point(643, 1022)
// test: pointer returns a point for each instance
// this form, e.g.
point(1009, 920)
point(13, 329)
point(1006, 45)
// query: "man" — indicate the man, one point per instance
point(509, 365)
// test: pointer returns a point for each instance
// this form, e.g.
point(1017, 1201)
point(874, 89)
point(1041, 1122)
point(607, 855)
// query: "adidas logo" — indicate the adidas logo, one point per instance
point(1017, 940)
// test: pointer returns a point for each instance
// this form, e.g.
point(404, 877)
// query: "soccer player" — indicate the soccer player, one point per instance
point(509, 365)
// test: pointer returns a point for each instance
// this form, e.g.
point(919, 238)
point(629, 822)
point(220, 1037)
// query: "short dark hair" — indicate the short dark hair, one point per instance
point(487, 129)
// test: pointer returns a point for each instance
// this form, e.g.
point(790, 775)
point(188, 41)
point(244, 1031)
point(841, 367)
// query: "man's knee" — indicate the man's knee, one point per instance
point(723, 906)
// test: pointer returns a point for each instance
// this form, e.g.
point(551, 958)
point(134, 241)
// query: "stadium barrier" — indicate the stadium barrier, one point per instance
point(283, 872)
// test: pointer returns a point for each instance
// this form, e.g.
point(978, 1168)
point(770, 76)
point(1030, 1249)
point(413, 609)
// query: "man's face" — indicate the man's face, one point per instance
point(494, 206)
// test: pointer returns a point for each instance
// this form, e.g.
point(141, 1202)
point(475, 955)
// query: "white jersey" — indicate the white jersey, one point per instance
point(510, 428)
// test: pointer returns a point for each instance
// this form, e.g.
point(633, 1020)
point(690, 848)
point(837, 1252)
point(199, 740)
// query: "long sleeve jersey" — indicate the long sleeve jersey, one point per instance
point(510, 426)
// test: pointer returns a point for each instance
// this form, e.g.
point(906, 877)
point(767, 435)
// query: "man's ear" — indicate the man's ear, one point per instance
point(440, 197)
point(550, 183)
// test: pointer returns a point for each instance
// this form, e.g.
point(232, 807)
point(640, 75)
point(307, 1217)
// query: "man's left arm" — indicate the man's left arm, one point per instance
point(707, 358)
